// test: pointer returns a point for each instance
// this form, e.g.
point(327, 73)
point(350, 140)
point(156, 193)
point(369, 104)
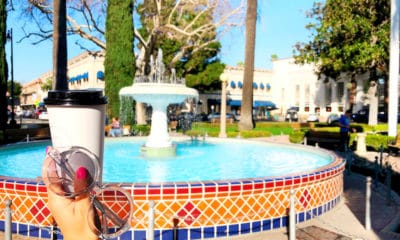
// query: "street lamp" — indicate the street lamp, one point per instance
point(224, 79)
point(10, 38)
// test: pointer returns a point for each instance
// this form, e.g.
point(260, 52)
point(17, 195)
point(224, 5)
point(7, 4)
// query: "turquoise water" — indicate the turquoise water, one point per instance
point(195, 161)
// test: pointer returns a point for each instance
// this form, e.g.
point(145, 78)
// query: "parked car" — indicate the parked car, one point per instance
point(362, 116)
point(292, 114)
point(215, 117)
point(201, 117)
point(313, 117)
point(333, 119)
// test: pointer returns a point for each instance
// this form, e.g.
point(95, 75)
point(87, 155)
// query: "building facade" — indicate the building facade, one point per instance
point(84, 71)
point(287, 85)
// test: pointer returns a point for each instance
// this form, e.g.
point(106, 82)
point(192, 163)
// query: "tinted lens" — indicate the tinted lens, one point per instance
point(111, 212)
point(72, 172)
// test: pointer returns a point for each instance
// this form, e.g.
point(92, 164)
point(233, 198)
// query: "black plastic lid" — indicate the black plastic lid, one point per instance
point(75, 97)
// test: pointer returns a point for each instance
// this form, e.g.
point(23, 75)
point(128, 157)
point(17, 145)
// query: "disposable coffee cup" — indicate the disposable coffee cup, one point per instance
point(77, 118)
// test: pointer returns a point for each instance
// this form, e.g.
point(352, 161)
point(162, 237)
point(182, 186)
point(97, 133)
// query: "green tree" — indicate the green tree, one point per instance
point(348, 37)
point(3, 65)
point(47, 84)
point(119, 64)
point(246, 119)
point(17, 89)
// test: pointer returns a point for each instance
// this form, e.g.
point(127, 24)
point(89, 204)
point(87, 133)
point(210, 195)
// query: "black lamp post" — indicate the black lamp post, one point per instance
point(10, 38)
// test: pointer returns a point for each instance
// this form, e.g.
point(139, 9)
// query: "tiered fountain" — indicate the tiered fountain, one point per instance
point(159, 91)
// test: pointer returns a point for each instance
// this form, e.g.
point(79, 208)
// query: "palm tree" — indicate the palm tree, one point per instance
point(246, 119)
point(60, 57)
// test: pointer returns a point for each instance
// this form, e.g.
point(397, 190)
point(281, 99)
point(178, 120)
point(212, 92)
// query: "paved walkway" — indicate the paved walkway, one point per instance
point(347, 219)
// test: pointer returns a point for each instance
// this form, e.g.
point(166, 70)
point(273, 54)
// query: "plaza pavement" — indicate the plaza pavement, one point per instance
point(347, 219)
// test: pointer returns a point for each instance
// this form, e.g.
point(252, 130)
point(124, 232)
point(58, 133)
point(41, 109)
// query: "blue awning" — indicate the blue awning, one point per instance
point(237, 103)
point(267, 104)
point(268, 86)
point(100, 75)
point(240, 85)
point(233, 84)
point(262, 85)
point(255, 86)
point(234, 103)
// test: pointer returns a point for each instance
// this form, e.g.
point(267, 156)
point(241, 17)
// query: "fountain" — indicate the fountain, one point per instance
point(159, 91)
point(221, 198)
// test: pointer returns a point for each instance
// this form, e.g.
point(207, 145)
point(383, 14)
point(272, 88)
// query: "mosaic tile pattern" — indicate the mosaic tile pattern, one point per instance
point(195, 210)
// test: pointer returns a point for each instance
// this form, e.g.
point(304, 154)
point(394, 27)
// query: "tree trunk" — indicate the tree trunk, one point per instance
point(60, 58)
point(246, 119)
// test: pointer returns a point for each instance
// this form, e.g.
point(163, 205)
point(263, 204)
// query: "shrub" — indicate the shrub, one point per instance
point(297, 136)
point(141, 130)
point(375, 141)
point(254, 134)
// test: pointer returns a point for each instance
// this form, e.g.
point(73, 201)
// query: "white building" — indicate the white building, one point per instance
point(274, 91)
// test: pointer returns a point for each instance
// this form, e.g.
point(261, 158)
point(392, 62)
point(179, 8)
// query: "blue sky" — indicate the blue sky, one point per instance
point(280, 25)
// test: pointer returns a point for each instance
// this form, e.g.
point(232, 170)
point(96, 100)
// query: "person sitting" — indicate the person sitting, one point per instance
point(115, 130)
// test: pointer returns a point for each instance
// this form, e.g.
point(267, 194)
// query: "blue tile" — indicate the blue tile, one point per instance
point(167, 234)
point(2, 228)
point(210, 184)
point(126, 235)
point(256, 226)
point(196, 185)
point(301, 217)
point(285, 221)
point(139, 235)
point(308, 215)
point(14, 227)
point(209, 232)
point(44, 233)
point(23, 229)
point(276, 223)
point(233, 229)
point(181, 234)
point(266, 225)
point(315, 213)
point(221, 231)
point(157, 234)
point(33, 231)
point(320, 210)
point(195, 233)
point(245, 228)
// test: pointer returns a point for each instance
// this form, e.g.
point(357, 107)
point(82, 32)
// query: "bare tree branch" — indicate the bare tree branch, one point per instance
point(86, 18)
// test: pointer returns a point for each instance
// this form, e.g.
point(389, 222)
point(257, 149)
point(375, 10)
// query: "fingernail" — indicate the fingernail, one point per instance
point(81, 173)
point(47, 149)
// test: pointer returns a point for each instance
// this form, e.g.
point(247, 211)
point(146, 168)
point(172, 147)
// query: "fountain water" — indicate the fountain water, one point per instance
point(159, 91)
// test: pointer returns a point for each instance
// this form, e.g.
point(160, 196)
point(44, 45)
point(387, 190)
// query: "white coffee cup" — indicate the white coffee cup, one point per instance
point(77, 118)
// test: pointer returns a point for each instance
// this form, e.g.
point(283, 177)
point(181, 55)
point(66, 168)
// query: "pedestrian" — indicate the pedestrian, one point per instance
point(344, 124)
